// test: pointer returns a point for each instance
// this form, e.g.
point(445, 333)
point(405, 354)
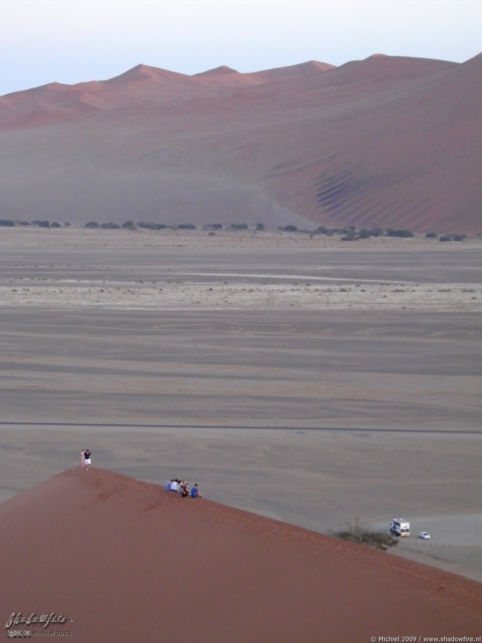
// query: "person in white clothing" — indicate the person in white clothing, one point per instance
point(85, 459)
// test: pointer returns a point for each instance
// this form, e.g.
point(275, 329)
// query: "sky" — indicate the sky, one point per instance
point(71, 41)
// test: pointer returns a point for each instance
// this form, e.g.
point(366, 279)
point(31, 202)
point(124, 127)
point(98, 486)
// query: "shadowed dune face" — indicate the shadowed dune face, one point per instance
point(386, 141)
point(127, 561)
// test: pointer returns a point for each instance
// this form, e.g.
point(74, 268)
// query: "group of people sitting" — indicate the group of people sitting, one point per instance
point(182, 488)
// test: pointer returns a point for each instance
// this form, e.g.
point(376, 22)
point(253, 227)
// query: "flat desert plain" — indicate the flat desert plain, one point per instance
point(306, 379)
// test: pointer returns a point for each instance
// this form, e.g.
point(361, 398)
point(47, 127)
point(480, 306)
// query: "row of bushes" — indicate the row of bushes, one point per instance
point(148, 225)
point(11, 223)
point(348, 233)
point(452, 237)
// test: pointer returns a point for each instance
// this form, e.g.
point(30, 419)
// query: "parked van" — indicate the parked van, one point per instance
point(400, 527)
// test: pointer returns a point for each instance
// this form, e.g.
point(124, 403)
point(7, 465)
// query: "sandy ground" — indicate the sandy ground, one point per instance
point(300, 378)
point(231, 271)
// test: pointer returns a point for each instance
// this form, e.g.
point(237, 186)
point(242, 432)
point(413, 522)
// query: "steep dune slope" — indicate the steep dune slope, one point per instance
point(405, 160)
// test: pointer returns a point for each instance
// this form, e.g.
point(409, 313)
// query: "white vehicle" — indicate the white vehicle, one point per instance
point(424, 535)
point(400, 527)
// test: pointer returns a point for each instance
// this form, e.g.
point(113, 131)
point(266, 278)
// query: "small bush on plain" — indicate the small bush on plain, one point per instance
point(356, 532)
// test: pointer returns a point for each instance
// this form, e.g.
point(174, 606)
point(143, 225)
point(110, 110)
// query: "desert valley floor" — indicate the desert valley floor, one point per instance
point(306, 379)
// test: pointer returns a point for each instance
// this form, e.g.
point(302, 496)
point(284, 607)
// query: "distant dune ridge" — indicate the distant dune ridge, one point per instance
point(128, 561)
point(386, 141)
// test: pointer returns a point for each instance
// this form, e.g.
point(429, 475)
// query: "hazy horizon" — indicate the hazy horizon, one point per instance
point(51, 41)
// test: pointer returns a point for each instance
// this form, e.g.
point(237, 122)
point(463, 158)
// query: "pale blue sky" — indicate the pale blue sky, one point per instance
point(73, 40)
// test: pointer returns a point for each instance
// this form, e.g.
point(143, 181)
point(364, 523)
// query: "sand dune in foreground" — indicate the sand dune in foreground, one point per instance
point(129, 562)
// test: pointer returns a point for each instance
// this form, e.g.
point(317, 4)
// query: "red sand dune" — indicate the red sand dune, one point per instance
point(387, 141)
point(223, 70)
point(130, 562)
point(380, 68)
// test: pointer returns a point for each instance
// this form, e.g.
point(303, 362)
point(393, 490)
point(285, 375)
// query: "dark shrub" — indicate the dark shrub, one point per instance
point(431, 235)
point(239, 226)
point(109, 226)
point(41, 224)
point(7, 223)
point(399, 233)
point(358, 533)
point(186, 226)
point(54, 224)
point(129, 225)
point(347, 231)
point(458, 237)
point(290, 228)
point(151, 226)
point(260, 226)
point(445, 237)
point(364, 234)
point(91, 224)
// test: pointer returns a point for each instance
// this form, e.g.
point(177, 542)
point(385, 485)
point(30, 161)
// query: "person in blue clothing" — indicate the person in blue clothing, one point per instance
point(195, 493)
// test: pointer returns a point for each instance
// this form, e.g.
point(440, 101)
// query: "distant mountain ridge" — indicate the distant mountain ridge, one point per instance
point(386, 141)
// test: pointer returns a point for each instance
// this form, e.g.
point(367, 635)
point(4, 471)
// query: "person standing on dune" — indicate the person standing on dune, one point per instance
point(85, 458)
